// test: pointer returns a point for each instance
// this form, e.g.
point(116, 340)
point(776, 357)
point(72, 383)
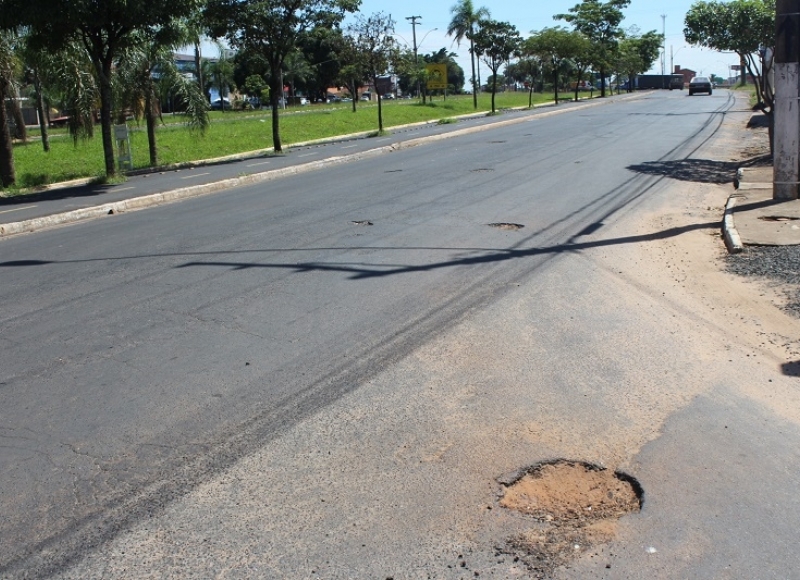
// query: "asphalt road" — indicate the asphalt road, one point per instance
point(322, 376)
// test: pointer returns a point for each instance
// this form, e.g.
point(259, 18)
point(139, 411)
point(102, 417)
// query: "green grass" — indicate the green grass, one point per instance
point(237, 132)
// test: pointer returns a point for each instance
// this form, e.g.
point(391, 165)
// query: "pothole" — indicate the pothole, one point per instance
point(778, 218)
point(573, 491)
point(575, 506)
point(506, 226)
point(496, 142)
point(361, 223)
point(481, 170)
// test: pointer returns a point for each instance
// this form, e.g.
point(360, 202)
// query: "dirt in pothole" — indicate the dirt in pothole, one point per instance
point(576, 506)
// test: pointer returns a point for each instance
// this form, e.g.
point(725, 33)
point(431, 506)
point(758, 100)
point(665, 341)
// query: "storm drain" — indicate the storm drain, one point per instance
point(574, 506)
point(506, 226)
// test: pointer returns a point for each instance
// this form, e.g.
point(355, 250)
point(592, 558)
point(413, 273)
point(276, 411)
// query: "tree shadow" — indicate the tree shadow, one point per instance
point(362, 271)
point(700, 170)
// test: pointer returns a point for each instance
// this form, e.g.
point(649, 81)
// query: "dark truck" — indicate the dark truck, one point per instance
point(644, 82)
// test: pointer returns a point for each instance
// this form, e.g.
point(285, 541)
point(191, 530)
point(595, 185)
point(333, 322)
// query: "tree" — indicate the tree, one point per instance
point(637, 54)
point(374, 41)
point(219, 75)
point(553, 47)
point(599, 22)
point(746, 27)
point(464, 24)
point(8, 70)
point(320, 49)
point(104, 29)
point(496, 42)
point(296, 69)
point(272, 29)
point(353, 72)
point(526, 70)
point(147, 69)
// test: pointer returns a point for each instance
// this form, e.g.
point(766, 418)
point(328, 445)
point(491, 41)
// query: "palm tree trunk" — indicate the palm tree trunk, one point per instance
point(275, 95)
point(150, 116)
point(7, 172)
point(20, 130)
point(37, 83)
point(198, 67)
point(474, 78)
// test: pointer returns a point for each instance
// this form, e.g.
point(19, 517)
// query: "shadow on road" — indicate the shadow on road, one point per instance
point(791, 369)
point(364, 271)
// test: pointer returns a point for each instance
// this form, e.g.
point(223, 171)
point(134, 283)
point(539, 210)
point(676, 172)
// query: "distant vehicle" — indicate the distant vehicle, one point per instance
point(219, 103)
point(346, 100)
point(366, 96)
point(673, 81)
point(700, 85)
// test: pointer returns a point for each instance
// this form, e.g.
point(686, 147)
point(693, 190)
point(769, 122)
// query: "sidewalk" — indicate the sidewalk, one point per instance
point(753, 218)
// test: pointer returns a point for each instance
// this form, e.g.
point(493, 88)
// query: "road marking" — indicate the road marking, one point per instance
point(384, 139)
point(307, 154)
point(196, 175)
point(349, 146)
point(259, 163)
point(124, 188)
point(17, 209)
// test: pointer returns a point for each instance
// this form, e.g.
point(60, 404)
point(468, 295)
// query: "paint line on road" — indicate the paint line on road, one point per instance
point(259, 163)
point(349, 146)
point(307, 154)
point(17, 209)
point(384, 139)
point(196, 175)
point(124, 188)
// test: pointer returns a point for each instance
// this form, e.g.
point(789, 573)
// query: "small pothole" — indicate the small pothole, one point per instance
point(575, 506)
point(778, 218)
point(506, 226)
point(362, 223)
point(482, 170)
point(573, 491)
point(496, 142)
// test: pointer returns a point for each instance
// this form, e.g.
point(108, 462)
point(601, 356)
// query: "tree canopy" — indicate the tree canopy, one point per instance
point(272, 29)
point(103, 28)
point(745, 27)
point(600, 23)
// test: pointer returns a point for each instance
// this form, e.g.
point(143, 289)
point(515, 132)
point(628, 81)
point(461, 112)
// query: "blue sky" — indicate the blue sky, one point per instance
point(537, 14)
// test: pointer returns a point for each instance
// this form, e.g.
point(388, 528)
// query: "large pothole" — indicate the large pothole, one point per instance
point(575, 506)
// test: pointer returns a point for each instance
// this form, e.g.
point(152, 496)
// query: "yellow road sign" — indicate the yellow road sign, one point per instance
point(437, 76)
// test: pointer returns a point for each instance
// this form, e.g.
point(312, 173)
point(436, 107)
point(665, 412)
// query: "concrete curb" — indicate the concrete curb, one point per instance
point(137, 203)
point(732, 240)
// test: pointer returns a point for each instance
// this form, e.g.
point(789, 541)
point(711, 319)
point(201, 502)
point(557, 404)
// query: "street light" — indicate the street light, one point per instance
point(672, 58)
point(413, 20)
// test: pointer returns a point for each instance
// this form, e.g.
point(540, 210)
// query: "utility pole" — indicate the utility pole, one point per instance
point(786, 162)
point(413, 20)
point(663, 47)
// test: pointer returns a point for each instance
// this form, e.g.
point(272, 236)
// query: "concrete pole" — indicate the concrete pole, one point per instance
point(786, 152)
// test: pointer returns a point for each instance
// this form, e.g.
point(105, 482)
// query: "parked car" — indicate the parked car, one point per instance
point(219, 103)
point(700, 85)
point(366, 97)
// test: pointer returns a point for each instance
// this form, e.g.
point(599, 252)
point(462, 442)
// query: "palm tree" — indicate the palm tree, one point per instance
point(465, 19)
point(147, 69)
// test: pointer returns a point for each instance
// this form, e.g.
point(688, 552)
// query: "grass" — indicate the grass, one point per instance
point(237, 132)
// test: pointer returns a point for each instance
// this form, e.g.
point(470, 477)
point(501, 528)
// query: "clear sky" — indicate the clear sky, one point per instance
point(532, 15)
